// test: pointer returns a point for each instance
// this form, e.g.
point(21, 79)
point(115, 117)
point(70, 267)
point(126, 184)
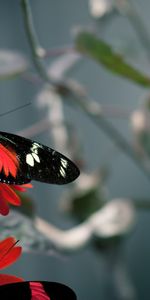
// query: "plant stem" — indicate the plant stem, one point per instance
point(36, 128)
point(128, 8)
point(33, 42)
point(96, 225)
point(93, 110)
point(65, 88)
point(58, 51)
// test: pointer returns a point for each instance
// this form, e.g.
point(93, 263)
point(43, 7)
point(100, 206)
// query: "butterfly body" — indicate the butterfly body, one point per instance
point(31, 160)
point(34, 290)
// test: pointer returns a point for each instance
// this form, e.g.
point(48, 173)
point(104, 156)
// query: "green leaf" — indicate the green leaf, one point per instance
point(88, 44)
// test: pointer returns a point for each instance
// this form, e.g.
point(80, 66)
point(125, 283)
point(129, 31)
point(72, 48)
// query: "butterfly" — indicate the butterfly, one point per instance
point(23, 160)
point(36, 290)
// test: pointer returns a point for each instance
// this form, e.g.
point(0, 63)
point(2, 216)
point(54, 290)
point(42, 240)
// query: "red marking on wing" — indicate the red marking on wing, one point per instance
point(9, 252)
point(37, 291)
point(8, 161)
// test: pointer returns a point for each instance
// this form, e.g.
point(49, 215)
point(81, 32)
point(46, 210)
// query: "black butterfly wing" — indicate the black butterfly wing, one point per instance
point(25, 291)
point(58, 291)
point(38, 162)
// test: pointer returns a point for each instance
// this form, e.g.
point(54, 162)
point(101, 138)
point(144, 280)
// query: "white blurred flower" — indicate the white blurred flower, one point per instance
point(12, 63)
point(139, 121)
point(115, 218)
point(58, 69)
point(98, 8)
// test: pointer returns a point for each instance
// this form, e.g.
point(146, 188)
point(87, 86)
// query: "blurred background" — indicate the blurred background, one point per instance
point(115, 265)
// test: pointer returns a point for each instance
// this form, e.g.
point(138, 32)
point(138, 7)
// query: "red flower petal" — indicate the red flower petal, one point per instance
point(8, 161)
point(7, 193)
point(7, 243)
point(4, 207)
point(9, 252)
point(10, 257)
point(23, 187)
point(5, 279)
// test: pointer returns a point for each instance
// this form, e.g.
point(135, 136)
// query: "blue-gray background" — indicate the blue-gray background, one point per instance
point(84, 271)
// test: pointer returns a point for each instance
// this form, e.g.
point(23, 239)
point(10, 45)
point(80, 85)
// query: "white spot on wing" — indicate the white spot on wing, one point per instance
point(64, 162)
point(62, 172)
point(36, 145)
point(36, 157)
point(35, 150)
point(30, 160)
point(30, 157)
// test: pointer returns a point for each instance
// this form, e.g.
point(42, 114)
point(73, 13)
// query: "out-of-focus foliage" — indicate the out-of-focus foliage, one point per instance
point(27, 205)
point(23, 229)
point(86, 197)
point(88, 44)
point(101, 221)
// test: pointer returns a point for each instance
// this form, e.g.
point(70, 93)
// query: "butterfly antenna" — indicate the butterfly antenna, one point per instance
point(15, 109)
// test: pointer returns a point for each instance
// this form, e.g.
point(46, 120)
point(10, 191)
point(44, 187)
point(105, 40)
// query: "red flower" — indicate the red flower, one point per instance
point(8, 195)
point(9, 165)
point(8, 161)
point(9, 253)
